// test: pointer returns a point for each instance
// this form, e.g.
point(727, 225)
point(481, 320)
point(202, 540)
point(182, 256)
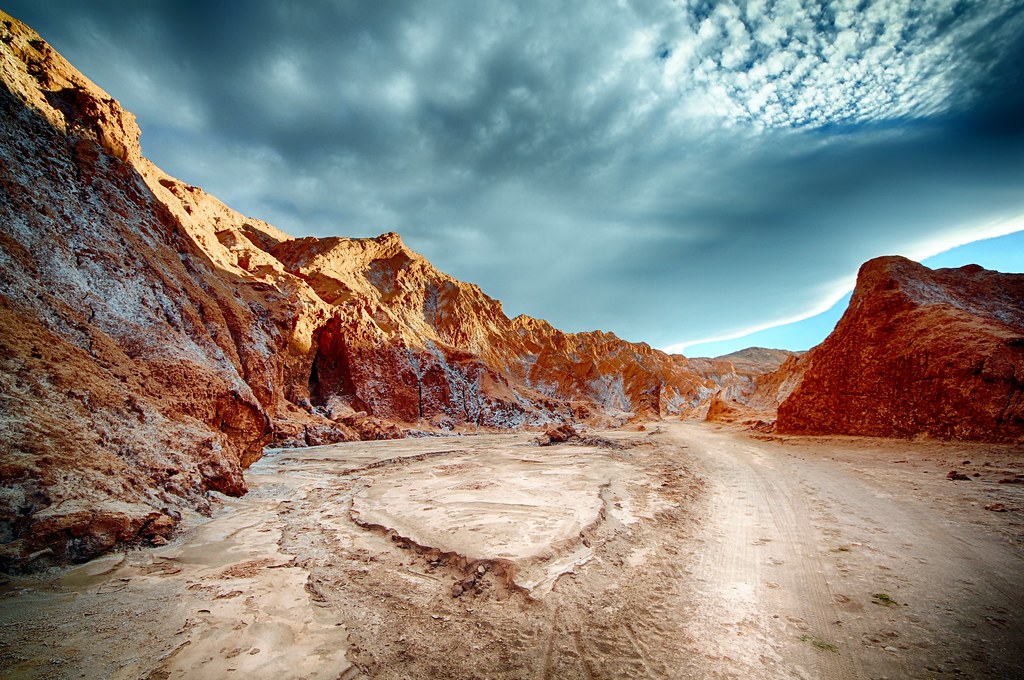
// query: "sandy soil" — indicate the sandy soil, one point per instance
point(683, 552)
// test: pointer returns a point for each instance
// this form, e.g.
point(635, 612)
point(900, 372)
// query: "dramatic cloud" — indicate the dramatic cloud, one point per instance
point(668, 171)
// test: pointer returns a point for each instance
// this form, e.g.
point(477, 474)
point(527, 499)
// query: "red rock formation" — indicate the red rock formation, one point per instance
point(153, 340)
point(919, 351)
point(411, 344)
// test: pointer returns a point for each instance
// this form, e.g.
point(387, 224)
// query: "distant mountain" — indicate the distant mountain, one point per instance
point(758, 358)
point(738, 376)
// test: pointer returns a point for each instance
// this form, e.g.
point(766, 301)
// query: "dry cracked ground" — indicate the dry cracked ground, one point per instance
point(686, 551)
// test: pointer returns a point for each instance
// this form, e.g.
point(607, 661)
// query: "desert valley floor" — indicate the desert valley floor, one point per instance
point(683, 550)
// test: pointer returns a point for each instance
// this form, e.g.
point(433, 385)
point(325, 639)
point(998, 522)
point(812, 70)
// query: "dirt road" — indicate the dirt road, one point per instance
point(830, 559)
point(683, 551)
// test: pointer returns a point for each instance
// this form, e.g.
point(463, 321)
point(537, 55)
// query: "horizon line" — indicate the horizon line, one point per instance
point(927, 249)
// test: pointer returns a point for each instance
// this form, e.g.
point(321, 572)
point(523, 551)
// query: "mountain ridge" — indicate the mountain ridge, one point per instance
point(155, 341)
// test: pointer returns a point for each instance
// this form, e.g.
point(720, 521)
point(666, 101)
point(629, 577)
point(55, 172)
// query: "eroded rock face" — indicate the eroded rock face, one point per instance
point(153, 341)
point(133, 376)
point(773, 388)
point(412, 344)
point(743, 384)
point(919, 351)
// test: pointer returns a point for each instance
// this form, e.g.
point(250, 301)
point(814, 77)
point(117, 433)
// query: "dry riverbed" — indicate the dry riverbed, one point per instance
point(684, 551)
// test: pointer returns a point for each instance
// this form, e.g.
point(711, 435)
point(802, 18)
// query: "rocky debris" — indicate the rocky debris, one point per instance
point(1019, 479)
point(955, 475)
point(81, 534)
point(918, 352)
point(724, 410)
point(471, 585)
point(604, 442)
point(314, 434)
point(996, 507)
point(559, 435)
point(567, 434)
point(734, 411)
point(761, 426)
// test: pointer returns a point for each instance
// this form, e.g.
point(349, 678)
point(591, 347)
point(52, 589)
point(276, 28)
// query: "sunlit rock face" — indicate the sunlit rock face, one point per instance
point(134, 377)
point(411, 344)
point(919, 351)
point(154, 341)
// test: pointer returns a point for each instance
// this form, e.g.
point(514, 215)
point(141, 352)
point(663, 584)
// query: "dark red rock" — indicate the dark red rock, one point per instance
point(939, 353)
point(561, 434)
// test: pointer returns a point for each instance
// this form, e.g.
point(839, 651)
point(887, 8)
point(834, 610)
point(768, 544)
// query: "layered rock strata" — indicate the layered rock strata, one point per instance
point(743, 385)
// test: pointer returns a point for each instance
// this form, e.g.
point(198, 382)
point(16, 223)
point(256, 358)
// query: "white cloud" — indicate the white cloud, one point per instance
point(877, 62)
point(836, 290)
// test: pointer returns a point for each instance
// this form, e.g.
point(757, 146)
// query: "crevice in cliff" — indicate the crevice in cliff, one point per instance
point(313, 384)
point(330, 372)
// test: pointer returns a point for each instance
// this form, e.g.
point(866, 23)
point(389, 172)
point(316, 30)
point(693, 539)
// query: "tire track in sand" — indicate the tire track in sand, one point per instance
point(812, 567)
point(761, 606)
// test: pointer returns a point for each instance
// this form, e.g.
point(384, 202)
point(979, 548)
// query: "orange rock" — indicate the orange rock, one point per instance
point(749, 385)
point(771, 389)
point(560, 434)
point(724, 410)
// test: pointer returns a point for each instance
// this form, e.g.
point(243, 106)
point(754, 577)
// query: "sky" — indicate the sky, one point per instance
point(1004, 253)
point(674, 172)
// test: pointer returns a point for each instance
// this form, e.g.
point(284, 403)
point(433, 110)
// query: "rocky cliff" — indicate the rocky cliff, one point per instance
point(918, 351)
point(153, 341)
point(411, 344)
point(743, 388)
point(137, 373)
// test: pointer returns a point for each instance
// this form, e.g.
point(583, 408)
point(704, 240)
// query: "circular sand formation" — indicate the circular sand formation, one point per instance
point(528, 511)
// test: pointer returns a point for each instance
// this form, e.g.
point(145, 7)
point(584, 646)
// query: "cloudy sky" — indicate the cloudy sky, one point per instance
point(670, 171)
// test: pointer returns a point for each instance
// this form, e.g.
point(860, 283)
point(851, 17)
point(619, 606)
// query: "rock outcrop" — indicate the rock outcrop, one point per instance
point(411, 344)
point(153, 341)
point(131, 372)
point(918, 352)
point(741, 385)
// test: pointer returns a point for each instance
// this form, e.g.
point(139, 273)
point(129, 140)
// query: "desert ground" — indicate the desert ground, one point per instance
point(681, 550)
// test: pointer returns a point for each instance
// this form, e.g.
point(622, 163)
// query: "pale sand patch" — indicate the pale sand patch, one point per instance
point(715, 555)
point(529, 511)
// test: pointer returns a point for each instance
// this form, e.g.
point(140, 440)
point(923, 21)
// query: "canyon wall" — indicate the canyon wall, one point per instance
point(153, 341)
point(748, 385)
